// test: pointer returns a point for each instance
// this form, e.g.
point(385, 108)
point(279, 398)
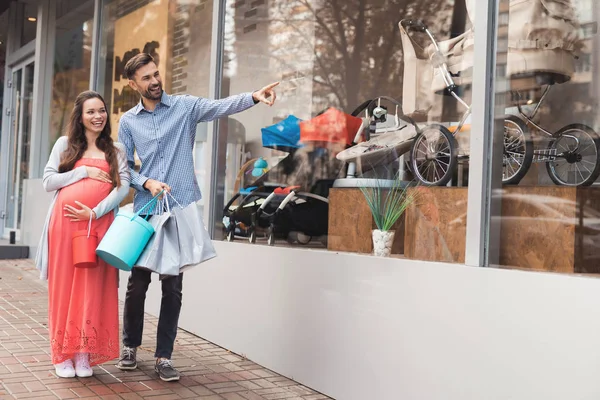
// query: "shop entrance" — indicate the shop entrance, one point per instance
point(19, 99)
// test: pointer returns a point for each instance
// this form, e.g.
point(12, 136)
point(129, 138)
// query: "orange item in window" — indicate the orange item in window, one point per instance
point(333, 126)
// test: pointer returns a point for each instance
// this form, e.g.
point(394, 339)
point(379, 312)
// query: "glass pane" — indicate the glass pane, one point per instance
point(29, 26)
point(3, 39)
point(13, 143)
point(72, 64)
point(332, 57)
point(547, 122)
point(25, 145)
point(178, 35)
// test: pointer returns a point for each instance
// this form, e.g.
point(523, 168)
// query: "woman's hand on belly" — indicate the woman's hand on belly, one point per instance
point(82, 214)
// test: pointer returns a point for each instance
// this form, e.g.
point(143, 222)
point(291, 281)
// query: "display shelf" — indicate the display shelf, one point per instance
point(351, 223)
point(545, 228)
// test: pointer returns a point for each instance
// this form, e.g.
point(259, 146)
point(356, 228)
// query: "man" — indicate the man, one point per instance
point(162, 129)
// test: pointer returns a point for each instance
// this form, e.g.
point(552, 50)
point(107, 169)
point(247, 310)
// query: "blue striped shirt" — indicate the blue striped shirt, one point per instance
point(164, 141)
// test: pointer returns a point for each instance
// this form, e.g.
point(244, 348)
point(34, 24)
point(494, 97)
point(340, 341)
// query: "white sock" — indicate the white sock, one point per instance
point(65, 369)
point(82, 365)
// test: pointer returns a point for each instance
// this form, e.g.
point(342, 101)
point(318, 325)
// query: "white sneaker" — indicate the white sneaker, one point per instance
point(82, 365)
point(65, 369)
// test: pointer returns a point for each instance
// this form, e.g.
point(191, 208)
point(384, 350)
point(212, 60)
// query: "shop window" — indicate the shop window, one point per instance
point(547, 200)
point(299, 174)
point(178, 35)
point(72, 61)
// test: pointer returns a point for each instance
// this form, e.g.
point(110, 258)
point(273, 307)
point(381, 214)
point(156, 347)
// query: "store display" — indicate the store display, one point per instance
point(386, 142)
point(387, 206)
point(278, 209)
point(283, 136)
point(438, 226)
point(332, 126)
point(351, 224)
point(541, 53)
point(543, 41)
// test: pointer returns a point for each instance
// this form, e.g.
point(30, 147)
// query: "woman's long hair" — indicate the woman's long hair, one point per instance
point(77, 141)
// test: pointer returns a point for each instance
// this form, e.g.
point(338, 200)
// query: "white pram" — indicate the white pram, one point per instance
point(543, 40)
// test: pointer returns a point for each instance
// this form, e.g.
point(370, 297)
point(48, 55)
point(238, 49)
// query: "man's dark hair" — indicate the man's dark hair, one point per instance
point(136, 62)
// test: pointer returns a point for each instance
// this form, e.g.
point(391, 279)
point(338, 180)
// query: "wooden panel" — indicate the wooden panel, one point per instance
point(351, 223)
point(436, 225)
point(546, 228)
point(587, 231)
point(534, 233)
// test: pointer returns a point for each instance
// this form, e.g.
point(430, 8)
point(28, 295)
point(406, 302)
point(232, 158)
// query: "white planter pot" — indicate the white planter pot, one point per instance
point(382, 242)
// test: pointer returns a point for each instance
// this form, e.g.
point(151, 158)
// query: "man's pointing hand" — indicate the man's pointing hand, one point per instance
point(266, 95)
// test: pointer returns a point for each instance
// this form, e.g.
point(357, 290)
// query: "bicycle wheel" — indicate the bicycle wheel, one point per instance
point(576, 150)
point(518, 150)
point(433, 156)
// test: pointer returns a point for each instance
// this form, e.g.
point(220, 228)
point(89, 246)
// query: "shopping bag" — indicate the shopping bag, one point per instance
point(127, 237)
point(161, 255)
point(195, 245)
point(84, 247)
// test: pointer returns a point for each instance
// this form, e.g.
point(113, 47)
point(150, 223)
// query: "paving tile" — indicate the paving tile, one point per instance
point(15, 387)
point(35, 386)
point(35, 396)
point(83, 392)
point(64, 394)
point(101, 390)
point(209, 372)
point(185, 393)
point(201, 390)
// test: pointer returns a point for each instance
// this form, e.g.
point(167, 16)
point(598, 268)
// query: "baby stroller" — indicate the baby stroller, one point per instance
point(543, 39)
point(435, 69)
point(384, 139)
point(278, 209)
point(239, 212)
point(572, 157)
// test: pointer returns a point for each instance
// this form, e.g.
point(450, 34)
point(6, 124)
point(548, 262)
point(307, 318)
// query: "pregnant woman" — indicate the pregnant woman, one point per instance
point(90, 176)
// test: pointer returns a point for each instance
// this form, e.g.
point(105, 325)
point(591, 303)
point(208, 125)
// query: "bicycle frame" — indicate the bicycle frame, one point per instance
point(529, 120)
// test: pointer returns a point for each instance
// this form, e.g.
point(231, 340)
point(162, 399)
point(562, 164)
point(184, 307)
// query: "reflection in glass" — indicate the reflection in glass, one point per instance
point(178, 35)
point(19, 142)
point(25, 146)
point(72, 65)
point(13, 146)
point(339, 62)
point(548, 93)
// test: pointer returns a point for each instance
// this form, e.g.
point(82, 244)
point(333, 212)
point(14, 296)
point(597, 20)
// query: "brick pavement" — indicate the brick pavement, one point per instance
point(209, 372)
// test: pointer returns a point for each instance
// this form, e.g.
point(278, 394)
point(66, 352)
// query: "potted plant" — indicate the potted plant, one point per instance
point(387, 200)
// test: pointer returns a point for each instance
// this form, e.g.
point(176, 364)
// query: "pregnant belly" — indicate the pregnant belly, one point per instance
point(87, 191)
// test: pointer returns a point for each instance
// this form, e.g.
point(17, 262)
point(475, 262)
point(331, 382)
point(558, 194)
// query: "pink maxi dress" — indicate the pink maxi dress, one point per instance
point(83, 315)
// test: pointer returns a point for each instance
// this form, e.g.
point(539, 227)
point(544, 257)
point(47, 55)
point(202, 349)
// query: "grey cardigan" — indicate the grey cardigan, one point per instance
point(53, 181)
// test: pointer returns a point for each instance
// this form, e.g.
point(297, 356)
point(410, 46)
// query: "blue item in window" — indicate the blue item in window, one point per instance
point(248, 190)
point(283, 136)
point(260, 167)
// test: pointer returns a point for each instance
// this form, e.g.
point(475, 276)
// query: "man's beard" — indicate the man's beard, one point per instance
point(148, 94)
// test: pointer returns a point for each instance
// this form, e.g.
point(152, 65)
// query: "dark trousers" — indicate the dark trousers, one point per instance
point(170, 306)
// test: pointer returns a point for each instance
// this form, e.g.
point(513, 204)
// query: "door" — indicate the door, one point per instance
point(20, 89)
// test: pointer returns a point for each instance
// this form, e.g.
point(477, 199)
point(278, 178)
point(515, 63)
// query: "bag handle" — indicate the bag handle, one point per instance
point(151, 202)
point(174, 199)
point(166, 205)
point(89, 226)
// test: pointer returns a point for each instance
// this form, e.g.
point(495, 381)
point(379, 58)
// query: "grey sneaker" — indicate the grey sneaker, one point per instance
point(127, 361)
point(166, 372)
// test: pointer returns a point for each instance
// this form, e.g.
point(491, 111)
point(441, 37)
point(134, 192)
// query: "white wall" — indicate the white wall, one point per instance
point(36, 202)
point(361, 328)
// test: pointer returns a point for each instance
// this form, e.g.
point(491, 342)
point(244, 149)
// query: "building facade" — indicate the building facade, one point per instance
point(299, 290)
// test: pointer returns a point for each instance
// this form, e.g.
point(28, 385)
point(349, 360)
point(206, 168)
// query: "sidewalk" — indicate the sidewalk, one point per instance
point(208, 371)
